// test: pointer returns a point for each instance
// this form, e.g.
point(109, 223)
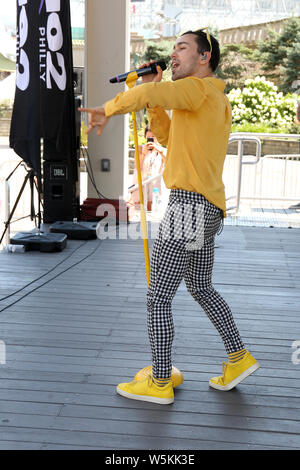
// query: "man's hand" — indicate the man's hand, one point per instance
point(97, 118)
point(153, 77)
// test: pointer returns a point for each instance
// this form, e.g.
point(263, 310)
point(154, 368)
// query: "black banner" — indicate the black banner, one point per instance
point(44, 105)
point(56, 76)
point(25, 124)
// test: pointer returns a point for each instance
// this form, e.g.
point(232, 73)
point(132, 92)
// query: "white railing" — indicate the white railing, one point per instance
point(271, 177)
point(240, 139)
point(287, 186)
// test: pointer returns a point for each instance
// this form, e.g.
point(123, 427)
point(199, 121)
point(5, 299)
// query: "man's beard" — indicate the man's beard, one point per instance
point(184, 72)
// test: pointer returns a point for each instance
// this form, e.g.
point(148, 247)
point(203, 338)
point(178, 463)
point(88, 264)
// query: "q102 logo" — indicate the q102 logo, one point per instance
point(50, 43)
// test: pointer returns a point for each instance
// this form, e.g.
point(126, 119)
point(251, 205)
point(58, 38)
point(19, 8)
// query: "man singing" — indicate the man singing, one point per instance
point(196, 138)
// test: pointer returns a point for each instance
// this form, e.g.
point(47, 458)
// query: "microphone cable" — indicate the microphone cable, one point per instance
point(54, 277)
point(89, 169)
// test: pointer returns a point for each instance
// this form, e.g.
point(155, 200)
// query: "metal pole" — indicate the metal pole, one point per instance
point(239, 178)
point(130, 82)
point(7, 209)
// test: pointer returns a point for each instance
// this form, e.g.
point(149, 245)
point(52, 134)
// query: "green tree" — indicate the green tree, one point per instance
point(291, 66)
point(237, 63)
point(156, 51)
point(279, 55)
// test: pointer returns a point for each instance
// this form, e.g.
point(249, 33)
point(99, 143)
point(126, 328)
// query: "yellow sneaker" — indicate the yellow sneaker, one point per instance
point(176, 377)
point(146, 390)
point(234, 373)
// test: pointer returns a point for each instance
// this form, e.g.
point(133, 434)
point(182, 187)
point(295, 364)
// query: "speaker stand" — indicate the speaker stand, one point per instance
point(75, 230)
point(39, 241)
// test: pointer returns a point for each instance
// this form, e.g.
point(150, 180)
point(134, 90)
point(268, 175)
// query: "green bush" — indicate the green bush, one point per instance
point(260, 104)
point(260, 128)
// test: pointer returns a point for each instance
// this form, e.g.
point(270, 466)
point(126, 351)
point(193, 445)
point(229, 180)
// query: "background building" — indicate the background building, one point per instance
point(155, 18)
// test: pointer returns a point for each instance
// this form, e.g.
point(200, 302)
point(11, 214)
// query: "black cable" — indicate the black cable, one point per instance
point(100, 195)
point(91, 173)
point(86, 156)
point(91, 176)
point(43, 275)
point(54, 277)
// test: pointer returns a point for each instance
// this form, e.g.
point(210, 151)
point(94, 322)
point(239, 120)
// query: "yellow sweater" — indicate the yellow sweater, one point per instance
point(197, 135)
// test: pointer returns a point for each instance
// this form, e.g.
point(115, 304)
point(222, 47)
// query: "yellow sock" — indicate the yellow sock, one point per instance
point(236, 356)
point(161, 382)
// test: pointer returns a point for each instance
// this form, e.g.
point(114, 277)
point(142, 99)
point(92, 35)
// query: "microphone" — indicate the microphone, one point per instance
point(140, 72)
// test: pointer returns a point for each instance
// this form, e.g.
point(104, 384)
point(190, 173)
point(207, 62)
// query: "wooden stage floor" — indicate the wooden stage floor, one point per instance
point(77, 328)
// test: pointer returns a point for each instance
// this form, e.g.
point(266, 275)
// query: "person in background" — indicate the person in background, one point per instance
point(152, 159)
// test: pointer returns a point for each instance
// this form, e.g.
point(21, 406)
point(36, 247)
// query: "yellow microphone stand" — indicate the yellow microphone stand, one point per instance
point(130, 82)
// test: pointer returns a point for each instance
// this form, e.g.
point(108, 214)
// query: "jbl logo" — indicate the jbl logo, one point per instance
point(58, 172)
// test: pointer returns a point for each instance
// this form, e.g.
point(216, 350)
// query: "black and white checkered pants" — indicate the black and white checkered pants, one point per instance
point(184, 249)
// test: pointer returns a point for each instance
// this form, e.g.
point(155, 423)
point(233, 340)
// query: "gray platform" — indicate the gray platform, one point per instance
point(81, 329)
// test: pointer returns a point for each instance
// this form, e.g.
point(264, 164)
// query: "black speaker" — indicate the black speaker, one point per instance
point(61, 177)
point(61, 192)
